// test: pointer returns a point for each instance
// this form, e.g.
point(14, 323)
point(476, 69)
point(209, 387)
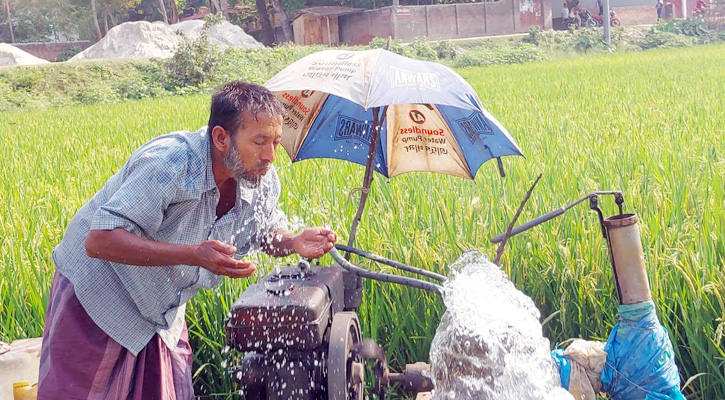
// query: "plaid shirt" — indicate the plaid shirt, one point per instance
point(165, 192)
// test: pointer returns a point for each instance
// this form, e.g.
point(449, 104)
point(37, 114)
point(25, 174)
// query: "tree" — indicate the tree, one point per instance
point(267, 29)
point(286, 25)
point(99, 34)
point(173, 12)
point(10, 21)
point(162, 10)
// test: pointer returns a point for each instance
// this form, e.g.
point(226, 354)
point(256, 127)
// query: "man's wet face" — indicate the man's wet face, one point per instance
point(254, 147)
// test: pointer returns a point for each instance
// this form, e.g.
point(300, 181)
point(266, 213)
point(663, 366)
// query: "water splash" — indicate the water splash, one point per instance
point(489, 344)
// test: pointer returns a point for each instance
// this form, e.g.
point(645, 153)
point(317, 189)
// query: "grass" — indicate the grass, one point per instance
point(650, 124)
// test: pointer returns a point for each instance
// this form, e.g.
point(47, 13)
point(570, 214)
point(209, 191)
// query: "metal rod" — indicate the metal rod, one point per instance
point(374, 138)
point(380, 276)
point(404, 267)
point(507, 235)
point(528, 225)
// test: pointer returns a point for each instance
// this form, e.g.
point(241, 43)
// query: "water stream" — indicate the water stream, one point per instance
point(489, 344)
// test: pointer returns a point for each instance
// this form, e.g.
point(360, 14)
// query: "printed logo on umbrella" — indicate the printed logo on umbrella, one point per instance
point(417, 116)
point(351, 128)
point(411, 79)
point(475, 126)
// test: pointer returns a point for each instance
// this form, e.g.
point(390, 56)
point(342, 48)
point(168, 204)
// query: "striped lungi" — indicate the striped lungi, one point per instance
point(80, 361)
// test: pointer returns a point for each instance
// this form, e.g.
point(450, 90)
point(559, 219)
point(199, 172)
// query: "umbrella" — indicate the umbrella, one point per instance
point(390, 113)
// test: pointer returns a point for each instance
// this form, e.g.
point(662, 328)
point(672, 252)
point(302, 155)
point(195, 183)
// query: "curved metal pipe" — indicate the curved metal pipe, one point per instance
point(553, 214)
point(404, 267)
point(381, 276)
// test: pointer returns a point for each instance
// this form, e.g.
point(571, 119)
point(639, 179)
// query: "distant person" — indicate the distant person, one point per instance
point(574, 14)
point(178, 216)
point(600, 6)
point(564, 15)
point(701, 6)
point(660, 5)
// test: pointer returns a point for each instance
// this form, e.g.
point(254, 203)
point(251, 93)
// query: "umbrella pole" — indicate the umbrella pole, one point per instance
point(374, 138)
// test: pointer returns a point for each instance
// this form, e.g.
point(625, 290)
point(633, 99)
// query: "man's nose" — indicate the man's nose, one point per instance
point(268, 153)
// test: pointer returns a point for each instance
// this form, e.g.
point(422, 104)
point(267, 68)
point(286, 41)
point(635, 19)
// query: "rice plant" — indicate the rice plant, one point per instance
point(650, 124)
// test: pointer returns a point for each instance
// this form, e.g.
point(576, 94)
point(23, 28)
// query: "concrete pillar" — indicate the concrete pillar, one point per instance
point(546, 11)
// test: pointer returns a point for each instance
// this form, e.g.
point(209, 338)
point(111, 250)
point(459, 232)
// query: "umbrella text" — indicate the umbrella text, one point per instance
point(428, 149)
point(415, 129)
point(350, 128)
point(403, 78)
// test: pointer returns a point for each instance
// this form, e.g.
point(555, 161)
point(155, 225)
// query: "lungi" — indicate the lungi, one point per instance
point(80, 361)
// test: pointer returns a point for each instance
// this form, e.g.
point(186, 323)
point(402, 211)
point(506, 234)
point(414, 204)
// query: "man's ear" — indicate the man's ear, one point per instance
point(221, 139)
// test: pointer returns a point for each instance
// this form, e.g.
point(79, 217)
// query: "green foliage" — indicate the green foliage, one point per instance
point(687, 27)
point(421, 49)
point(583, 41)
point(446, 50)
point(534, 35)
point(396, 45)
point(67, 54)
point(492, 55)
point(583, 44)
point(213, 19)
point(194, 63)
point(658, 140)
point(666, 39)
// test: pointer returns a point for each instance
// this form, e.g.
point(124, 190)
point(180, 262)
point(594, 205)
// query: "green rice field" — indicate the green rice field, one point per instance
point(651, 124)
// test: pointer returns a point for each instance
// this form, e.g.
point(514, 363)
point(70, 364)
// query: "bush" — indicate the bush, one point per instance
point(687, 27)
point(665, 39)
point(193, 64)
point(534, 35)
point(422, 49)
point(67, 54)
point(382, 43)
point(446, 49)
point(483, 55)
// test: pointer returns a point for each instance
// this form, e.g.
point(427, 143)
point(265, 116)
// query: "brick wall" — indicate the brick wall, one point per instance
point(51, 51)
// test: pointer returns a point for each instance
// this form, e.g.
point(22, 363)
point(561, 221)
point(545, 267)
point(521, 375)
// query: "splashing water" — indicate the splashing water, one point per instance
point(489, 344)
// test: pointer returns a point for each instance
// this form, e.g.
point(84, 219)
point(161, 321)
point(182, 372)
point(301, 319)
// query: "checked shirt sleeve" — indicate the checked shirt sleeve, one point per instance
point(149, 183)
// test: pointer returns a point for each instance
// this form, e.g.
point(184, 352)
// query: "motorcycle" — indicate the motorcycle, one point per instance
point(588, 19)
point(613, 20)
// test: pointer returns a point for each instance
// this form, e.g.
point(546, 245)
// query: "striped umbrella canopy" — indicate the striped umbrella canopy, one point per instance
point(390, 113)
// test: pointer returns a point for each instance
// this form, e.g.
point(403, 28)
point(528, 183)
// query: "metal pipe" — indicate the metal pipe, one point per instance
point(380, 276)
point(625, 246)
point(536, 221)
point(391, 263)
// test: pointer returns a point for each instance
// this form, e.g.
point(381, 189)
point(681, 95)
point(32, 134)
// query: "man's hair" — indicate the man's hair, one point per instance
point(232, 99)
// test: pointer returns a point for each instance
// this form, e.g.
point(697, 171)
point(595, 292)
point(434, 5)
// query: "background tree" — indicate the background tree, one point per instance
point(10, 21)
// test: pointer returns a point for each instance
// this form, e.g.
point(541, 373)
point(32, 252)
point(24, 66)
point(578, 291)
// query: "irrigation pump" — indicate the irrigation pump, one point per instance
point(301, 337)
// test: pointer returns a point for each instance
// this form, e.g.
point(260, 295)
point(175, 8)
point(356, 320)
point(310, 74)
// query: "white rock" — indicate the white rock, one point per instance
point(11, 55)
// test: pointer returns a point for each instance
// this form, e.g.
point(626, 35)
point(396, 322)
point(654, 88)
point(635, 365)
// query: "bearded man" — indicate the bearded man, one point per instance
point(175, 219)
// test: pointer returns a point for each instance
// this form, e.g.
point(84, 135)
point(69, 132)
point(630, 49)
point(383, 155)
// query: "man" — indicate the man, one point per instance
point(700, 7)
point(660, 5)
point(574, 14)
point(177, 216)
point(564, 15)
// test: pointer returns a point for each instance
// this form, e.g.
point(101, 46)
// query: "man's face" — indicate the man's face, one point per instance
point(254, 147)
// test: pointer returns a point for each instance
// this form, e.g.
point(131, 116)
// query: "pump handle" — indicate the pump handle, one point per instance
point(530, 224)
point(553, 214)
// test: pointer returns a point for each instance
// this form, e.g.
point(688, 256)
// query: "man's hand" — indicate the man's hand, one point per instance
point(314, 242)
point(215, 256)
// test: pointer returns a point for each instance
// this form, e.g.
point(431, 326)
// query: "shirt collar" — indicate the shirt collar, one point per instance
point(209, 182)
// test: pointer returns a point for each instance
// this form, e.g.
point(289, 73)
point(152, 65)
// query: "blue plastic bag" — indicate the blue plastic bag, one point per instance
point(640, 358)
point(564, 366)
